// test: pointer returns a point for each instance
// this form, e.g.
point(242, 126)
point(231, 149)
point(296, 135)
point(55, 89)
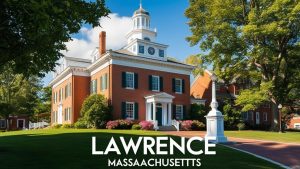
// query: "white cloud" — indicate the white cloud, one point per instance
point(116, 28)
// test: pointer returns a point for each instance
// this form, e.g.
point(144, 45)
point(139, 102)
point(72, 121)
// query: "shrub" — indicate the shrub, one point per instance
point(112, 124)
point(136, 127)
point(197, 125)
point(241, 126)
point(125, 124)
point(146, 125)
point(80, 124)
point(198, 111)
point(68, 126)
point(192, 125)
point(56, 126)
point(95, 111)
point(186, 125)
point(120, 124)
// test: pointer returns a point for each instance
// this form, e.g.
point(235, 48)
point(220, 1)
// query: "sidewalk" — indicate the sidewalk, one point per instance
point(284, 153)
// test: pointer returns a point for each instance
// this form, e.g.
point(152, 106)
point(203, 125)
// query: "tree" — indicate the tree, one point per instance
point(196, 61)
point(43, 106)
point(232, 116)
point(95, 111)
point(33, 33)
point(18, 94)
point(253, 39)
point(198, 111)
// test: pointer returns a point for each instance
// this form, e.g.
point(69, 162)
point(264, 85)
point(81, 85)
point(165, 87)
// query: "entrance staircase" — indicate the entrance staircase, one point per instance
point(167, 128)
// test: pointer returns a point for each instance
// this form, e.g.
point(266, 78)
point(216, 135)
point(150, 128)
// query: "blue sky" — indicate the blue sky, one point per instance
point(166, 15)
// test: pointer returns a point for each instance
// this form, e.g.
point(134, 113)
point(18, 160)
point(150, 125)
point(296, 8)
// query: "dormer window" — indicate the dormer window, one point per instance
point(147, 39)
point(161, 53)
point(141, 49)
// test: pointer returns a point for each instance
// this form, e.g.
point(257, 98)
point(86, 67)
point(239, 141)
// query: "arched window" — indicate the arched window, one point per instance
point(143, 22)
point(146, 38)
point(138, 22)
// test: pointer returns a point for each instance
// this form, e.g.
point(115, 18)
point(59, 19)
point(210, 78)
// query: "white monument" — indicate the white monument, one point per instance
point(215, 119)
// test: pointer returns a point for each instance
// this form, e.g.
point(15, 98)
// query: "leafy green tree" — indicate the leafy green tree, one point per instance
point(252, 39)
point(18, 94)
point(198, 111)
point(33, 33)
point(42, 110)
point(232, 116)
point(95, 111)
point(196, 61)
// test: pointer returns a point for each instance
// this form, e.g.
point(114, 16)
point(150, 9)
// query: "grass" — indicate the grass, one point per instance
point(71, 148)
point(288, 137)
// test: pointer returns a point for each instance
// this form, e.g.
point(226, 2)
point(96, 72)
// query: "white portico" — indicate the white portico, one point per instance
point(158, 109)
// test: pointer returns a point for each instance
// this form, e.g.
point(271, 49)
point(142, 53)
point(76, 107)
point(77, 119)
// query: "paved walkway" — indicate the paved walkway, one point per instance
point(284, 153)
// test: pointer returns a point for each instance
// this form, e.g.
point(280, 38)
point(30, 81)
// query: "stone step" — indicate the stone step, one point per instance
point(167, 128)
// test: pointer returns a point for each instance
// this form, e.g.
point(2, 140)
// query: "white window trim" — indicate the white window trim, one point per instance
point(296, 124)
point(178, 105)
point(133, 80)
point(133, 110)
point(180, 92)
point(158, 83)
point(20, 120)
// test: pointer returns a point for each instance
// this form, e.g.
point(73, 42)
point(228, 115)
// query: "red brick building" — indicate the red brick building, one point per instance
point(14, 123)
point(201, 93)
point(139, 80)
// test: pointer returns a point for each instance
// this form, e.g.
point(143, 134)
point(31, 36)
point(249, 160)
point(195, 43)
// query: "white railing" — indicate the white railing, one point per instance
point(175, 123)
point(38, 125)
point(155, 124)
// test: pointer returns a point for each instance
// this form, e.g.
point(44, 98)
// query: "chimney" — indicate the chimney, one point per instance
point(102, 43)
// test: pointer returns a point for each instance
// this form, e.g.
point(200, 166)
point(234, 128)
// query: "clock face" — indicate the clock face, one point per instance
point(151, 50)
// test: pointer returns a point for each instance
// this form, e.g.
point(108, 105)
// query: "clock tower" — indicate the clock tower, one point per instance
point(141, 39)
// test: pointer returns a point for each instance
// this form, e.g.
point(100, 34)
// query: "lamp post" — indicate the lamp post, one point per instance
point(279, 114)
point(215, 119)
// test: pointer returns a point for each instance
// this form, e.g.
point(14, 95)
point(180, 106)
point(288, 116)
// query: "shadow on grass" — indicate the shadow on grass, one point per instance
point(74, 151)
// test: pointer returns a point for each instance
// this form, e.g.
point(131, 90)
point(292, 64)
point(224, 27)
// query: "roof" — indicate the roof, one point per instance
point(78, 59)
point(141, 10)
point(126, 52)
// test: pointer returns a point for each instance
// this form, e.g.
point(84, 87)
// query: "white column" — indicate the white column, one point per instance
point(154, 111)
point(215, 119)
point(165, 113)
point(170, 114)
point(147, 111)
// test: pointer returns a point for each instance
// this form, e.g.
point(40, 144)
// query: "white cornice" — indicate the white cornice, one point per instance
point(67, 73)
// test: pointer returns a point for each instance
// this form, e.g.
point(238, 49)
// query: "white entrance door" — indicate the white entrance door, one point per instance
point(257, 118)
point(59, 115)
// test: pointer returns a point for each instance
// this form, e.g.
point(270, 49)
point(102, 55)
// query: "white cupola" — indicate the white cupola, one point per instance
point(141, 26)
point(141, 39)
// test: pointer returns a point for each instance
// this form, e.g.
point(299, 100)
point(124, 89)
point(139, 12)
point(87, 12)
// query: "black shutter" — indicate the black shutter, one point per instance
point(184, 112)
point(136, 80)
point(136, 111)
point(173, 85)
point(123, 79)
point(183, 86)
point(161, 84)
point(151, 111)
point(150, 82)
point(174, 111)
point(124, 116)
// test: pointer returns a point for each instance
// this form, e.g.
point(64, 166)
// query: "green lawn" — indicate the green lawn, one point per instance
point(289, 137)
point(71, 149)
